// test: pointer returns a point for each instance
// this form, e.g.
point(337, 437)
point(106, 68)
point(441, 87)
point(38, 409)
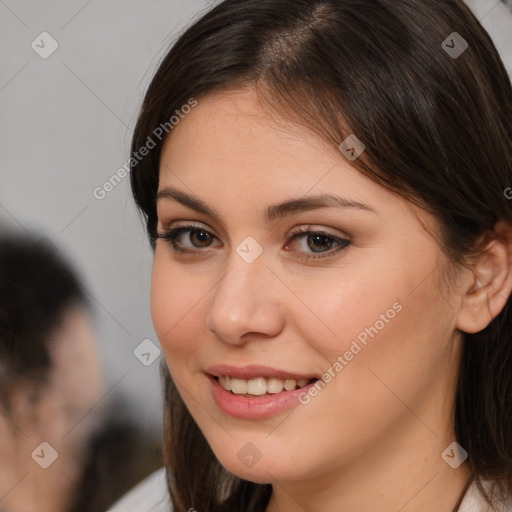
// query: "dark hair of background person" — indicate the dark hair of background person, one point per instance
point(36, 287)
point(118, 456)
point(437, 131)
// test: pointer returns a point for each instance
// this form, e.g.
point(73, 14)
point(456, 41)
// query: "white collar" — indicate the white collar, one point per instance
point(474, 501)
point(151, 496)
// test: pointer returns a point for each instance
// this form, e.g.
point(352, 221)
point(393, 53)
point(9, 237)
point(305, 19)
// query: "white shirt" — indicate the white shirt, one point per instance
point(151, 495)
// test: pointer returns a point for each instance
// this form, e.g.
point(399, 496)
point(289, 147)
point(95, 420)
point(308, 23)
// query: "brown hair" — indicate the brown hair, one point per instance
point(437, 130)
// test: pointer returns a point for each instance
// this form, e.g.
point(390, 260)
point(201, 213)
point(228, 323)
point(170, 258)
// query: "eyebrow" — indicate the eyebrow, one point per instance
point(272, 212)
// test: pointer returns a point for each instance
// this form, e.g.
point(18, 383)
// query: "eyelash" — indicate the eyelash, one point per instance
point(170, 236)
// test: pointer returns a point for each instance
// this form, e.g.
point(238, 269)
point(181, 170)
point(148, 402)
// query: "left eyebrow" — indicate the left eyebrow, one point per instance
point(313, 203)
point(274, 211)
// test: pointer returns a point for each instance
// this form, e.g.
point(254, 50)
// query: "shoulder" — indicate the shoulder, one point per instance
point(150, 495)
point(474, 501)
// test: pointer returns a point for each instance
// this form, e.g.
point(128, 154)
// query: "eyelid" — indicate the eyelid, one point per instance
point(171, 233)
point(343, 242)
point(303, 228)
point(166, 226)
point(315, 228)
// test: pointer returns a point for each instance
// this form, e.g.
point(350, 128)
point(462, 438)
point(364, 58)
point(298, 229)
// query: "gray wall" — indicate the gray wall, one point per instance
point(65, 126)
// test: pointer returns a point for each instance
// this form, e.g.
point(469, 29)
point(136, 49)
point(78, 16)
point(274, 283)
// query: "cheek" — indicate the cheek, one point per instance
point(395, 338)
point(177, 298)
point(387, 315)
point(354, 306)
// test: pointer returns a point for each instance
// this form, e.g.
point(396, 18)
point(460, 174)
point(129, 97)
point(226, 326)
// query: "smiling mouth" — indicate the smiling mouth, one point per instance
point(260, 386)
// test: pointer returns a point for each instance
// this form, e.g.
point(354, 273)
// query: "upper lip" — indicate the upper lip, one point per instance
point(253, 371)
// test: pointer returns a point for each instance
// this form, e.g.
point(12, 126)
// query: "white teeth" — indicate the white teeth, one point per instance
point(238, 386)
point(225, 382)
point(290, 385)
point(274, 385)
point(257, 386)
point(260, 386)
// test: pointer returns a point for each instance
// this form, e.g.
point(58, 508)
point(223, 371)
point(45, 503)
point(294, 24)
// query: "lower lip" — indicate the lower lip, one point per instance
point(259, 407)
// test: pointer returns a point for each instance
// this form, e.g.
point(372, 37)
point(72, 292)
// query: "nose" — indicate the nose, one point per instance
point(245, 304)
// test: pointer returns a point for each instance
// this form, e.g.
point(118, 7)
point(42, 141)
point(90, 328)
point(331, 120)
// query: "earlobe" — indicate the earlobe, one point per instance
point(491, 284)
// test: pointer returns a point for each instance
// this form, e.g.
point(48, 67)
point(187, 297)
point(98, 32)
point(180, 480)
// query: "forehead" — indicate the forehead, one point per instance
point(231, 150)
point(233, 124)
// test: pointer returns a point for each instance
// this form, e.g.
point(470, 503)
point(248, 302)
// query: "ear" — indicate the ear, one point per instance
point(490, 283)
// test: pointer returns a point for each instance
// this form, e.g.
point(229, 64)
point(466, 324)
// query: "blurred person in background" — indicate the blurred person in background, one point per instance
point(57, 441)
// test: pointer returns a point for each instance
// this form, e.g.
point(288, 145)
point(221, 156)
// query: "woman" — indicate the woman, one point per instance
point(324, 188)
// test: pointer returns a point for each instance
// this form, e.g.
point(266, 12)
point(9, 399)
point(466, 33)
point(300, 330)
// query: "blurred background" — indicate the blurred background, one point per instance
point(65, 127)
point(72, 76)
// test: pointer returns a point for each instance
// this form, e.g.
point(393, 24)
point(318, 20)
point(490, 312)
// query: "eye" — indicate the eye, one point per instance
point(313, 242)
point(318, 242)
point(198, 237)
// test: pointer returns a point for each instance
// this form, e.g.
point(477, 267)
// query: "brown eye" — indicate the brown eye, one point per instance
point(191, 239)
point(203, 237)
point(197, 238)
point(311, 242)
point(322, 242)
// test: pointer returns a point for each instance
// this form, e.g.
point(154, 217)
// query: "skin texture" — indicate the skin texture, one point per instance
point(372, 438)
point(62, 417)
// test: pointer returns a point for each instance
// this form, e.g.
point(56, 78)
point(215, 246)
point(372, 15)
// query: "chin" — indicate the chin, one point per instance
point(260, 473)
point(248, 463)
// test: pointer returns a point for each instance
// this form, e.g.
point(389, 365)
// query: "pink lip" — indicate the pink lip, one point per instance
point(252, 371)
point(255, 408)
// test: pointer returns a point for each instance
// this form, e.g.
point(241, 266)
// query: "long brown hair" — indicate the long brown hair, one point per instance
point(436, 125)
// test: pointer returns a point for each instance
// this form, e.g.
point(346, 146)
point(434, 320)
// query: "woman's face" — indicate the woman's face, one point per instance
point(356, 302)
